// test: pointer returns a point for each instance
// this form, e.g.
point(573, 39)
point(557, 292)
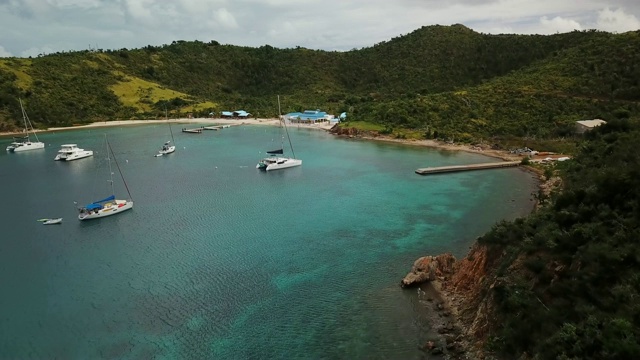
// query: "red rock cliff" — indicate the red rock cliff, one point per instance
point(465, 287)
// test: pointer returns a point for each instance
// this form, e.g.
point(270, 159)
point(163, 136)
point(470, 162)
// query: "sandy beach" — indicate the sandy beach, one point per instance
point(199, 121)
point(501, 154)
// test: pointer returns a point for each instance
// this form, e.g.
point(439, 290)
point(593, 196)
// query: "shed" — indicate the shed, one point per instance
point(586, 125)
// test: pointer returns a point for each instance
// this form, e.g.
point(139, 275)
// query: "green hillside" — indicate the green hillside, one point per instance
point(441, 81)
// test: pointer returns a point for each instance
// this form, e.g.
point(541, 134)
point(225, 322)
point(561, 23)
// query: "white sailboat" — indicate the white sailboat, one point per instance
point(23, 143)
point(109, 205)
point(274, 161)
point(167, 148)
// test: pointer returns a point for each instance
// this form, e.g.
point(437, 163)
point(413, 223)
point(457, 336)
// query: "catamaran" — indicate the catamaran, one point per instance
point(23, 143)
point(109, 205)
point(70, 152)
point(275, 162)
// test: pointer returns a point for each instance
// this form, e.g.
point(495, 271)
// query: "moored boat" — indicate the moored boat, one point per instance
point(109, 205)
point(167, 148)
point(52, 221)
point(23, 143)
point(275, 162)
point(70, 152)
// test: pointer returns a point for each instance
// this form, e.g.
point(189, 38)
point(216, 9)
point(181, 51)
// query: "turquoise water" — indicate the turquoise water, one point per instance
point(218, 260)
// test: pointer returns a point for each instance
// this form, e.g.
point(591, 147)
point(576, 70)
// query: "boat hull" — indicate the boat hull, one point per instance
point(167, 151)
point(26, 147)
point(53, 221)
point(74, 156)
point(109, 209)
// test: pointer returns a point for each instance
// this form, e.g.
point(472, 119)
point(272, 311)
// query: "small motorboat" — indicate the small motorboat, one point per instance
point(52, 221)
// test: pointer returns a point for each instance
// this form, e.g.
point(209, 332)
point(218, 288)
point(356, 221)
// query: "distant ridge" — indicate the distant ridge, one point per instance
point(437, 80)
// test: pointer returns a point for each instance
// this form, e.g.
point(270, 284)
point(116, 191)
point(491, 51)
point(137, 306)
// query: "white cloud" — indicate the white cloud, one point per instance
point(64, 25)
point(617, 20)
point(34, 52)
point(225, 18)
point(558, 24)
point(4, 53)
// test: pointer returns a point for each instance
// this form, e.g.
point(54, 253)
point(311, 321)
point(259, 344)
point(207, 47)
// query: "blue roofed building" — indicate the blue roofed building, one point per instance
point(308, 116)
point(241, 114)
point(238, 114)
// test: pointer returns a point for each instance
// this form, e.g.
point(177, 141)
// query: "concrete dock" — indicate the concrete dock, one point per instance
point(457, 168)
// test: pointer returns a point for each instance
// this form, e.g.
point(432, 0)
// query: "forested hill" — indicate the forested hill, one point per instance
point(567, 282)
point(438, 80)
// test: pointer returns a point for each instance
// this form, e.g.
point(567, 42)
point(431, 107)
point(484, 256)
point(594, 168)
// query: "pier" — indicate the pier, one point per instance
point(458, 168)
point(193, 131)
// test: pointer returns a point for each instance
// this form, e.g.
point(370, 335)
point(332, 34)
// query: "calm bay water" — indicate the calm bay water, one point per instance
point(219, 260)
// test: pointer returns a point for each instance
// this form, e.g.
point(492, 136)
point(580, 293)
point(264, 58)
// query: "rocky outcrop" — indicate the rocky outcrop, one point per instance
point(429, 268)
point(465, 289)
point(352, 132)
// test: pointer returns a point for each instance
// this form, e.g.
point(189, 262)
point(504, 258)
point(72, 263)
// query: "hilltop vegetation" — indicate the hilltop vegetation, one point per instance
point(443, 81)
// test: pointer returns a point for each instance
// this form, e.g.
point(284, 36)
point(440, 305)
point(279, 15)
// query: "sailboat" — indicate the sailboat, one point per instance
point(109, 205)
point(167, 148)
point(23, 143)
point(274, 161)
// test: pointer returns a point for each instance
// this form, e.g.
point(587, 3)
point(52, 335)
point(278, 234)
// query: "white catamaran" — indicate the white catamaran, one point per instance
point(23, 143)
point(274, 161)
point(109, 205)
point(70, 152)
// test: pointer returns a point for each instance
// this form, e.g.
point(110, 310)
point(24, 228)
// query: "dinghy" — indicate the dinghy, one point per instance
point(52, 221)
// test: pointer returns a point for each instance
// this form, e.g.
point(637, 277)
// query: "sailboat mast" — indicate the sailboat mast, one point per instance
point(286, 130)
point(24, 116)
point(119, 170)
point(166, 117)
point(109, 161)
point(27, 122)
point(280, 121)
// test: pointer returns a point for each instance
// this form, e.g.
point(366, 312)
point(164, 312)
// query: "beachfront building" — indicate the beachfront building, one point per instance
point(308, 117)
point(238, 114)
point(241, 114)
point(586, 125)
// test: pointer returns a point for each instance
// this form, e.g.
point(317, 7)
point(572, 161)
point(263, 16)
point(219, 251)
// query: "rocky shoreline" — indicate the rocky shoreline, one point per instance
point(457, 285)
point(463, 297)
point(458, 290)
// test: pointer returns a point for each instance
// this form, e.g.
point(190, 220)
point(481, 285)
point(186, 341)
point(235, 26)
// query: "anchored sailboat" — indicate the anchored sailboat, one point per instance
point(168, 147)
point(23, 143)
point(275, 162)
point(109, 205)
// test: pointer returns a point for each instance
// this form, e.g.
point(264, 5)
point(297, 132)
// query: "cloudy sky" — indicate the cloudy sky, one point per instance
point(32, 27)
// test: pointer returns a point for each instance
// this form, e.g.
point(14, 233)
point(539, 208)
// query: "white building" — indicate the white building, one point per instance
point(585, 125)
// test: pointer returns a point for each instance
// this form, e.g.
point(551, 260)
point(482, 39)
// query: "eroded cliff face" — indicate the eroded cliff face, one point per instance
point(353, 132)
point(465, 286)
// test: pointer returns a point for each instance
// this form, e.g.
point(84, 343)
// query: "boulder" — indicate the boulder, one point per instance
point(429, 268)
